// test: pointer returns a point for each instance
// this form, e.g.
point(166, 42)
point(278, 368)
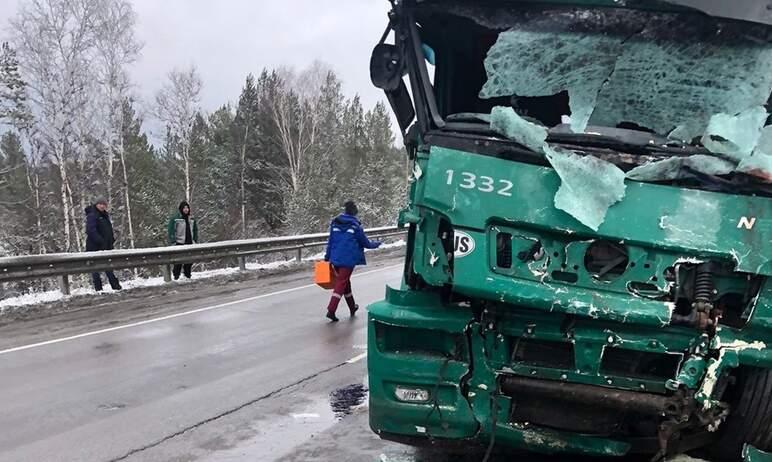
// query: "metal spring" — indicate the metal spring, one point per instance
point(703, 285)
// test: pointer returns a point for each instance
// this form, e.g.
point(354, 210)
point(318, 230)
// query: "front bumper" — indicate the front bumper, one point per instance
point(462, 407)
point(466, 363)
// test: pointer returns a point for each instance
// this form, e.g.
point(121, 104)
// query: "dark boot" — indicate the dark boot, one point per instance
point(331, 316)
point(352, 305)
point(97, 280)
point(113, 281)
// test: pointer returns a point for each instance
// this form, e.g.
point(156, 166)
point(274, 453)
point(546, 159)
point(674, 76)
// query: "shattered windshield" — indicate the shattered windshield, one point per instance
point(536, 73)
point(662, 72)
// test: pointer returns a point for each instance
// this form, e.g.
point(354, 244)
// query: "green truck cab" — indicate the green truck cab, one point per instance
point(589, 261)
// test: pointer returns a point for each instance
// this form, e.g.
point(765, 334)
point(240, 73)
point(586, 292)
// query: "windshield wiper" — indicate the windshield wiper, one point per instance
point(629, 141)
point(738, 183)
point(637, 146)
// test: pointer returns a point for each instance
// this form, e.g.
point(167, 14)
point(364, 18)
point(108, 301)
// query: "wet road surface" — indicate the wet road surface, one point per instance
point(216, 379)
point(116, 395)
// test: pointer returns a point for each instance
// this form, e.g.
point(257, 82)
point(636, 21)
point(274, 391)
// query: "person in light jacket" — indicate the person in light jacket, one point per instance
point(182, 230)
point(99, 236)
point(345, 251)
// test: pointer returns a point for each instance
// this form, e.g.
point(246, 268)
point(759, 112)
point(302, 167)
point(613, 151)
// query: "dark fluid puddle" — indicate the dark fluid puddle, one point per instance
point(344, 400)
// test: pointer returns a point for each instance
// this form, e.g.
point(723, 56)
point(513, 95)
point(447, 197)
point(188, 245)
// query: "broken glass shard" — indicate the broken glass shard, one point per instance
point(505, 121)
point(764, 146)
point(735, 135)
point(675, 74)
point(682, 133)
point(589, 186)
point(758, 165)
point(544, 56)
point(674, 168)
point(663, 71)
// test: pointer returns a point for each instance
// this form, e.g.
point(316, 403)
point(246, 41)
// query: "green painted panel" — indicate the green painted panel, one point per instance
point(694, 223)
point(751, 454)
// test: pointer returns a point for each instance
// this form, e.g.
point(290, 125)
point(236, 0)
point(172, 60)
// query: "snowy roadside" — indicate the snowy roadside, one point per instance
point(12, 304)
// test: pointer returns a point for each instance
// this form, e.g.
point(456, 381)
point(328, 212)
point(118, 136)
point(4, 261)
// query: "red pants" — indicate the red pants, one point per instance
point(342, 289)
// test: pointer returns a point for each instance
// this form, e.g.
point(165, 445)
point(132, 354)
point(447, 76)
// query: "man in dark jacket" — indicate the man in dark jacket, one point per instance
point(99, 236)
point(182, 230)
point(346, 250)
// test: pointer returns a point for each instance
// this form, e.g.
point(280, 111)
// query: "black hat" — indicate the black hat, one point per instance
point(351, 208)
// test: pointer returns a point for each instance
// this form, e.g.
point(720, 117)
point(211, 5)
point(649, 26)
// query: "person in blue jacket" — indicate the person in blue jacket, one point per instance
point(345, 251)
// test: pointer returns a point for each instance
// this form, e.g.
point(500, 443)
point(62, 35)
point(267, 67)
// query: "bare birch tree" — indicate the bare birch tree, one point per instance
point(177, 104)
point(117, 48)
point(55, 42)
point(296, 121)
point(35, 185)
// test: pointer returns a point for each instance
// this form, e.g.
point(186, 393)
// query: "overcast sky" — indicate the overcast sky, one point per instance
point(227, 39)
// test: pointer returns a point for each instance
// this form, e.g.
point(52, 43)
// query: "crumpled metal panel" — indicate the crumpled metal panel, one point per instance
point(698, 223)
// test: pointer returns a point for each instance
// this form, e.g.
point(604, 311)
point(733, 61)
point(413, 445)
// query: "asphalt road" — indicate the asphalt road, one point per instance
point(172, 387)
point(244, 371)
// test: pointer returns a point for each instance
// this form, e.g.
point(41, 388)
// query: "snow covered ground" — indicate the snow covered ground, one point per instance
point(37, 298)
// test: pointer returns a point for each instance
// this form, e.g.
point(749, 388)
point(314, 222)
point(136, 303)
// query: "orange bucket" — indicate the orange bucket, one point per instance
point(324, 276)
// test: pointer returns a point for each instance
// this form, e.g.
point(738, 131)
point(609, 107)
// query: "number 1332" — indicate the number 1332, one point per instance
point(481, 183)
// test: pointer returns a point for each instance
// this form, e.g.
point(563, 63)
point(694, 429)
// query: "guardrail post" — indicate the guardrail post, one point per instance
point(64, 284)
point(242, 263)
point(300, 254)
point(167, 270)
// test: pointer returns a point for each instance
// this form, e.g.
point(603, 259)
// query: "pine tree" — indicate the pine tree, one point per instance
point(216, 166)
point(353, 144)
point(245, 134)
point(265, 161)
point(13, 90)
point(147, 187)
point(17, 227)
point(380, 185)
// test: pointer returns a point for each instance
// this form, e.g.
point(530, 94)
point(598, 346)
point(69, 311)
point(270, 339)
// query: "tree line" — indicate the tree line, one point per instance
point(279, 161)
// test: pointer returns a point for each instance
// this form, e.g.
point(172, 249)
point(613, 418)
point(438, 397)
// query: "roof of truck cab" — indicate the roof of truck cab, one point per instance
point(758, 11)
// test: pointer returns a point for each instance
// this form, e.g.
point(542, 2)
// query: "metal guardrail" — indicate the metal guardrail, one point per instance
point(62, 265)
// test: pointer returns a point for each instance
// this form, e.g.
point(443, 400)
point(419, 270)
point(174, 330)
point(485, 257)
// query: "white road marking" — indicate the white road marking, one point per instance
point(356, 358)
point(179, 315)
point(305, 416)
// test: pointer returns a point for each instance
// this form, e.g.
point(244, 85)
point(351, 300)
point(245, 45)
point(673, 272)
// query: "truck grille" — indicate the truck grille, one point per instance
point(541, 353)
point(640, 364)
